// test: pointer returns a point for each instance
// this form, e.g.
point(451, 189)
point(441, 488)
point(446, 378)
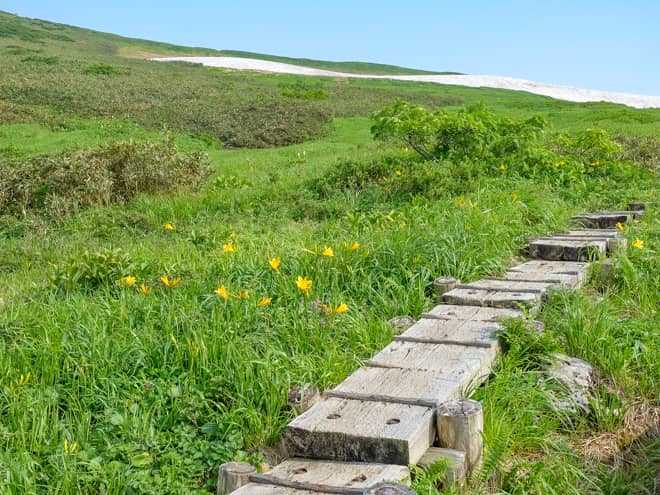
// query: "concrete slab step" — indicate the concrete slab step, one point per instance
point(331, 476)
point(361, 431)
point(567, 250)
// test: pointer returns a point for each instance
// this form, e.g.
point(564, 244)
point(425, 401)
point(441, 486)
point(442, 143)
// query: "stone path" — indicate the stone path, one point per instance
point(383, 416)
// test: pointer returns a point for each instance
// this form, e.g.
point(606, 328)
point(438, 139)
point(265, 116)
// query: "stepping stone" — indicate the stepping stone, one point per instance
point(508, 285)
point(605, 219)
point(449, 359)
point(460, 312)
point(607, 233)
point(557, 280)
point(546, 266)
point(460, 332)
point(406, 386)
point(566, 250)
point(612, 243)
point(493, 298)
point(331, 477)
point(262, 489)
point(362, 431)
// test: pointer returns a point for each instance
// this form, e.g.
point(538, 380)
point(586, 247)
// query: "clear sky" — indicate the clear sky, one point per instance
point(596, 44)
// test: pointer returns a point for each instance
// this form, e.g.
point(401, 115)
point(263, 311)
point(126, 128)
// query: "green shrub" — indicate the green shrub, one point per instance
point(111, 173)
point(641, 150)
point(37, 59)
point(588, 146)
point(304, 90)
point(103, 70)
point(473, 132)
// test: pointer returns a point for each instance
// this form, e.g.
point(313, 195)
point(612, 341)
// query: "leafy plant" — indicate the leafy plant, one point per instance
point(93, 269)
point(472, 133)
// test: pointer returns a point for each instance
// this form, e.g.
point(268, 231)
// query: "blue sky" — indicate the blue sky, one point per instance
point(606, 44)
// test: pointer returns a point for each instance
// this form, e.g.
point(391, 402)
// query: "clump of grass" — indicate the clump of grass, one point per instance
point(111, 173)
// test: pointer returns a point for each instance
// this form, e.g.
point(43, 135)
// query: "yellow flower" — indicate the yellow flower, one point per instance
point(274, 263)
point(342, 308)
point(355, 246)
point(514, 196)
point(244, 294)
point(264, 302)
point(170, 283)
point(638, 244)
point(398, 172)
point(169, 227)
point(327, 251)
point(304, 284)
point(502, 168)
point(229, 247)
point(127, 281)
point(222, 292)
point(144, 289)
point(619, 226)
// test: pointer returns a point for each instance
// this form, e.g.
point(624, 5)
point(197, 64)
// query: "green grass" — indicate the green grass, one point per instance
point(104, 389)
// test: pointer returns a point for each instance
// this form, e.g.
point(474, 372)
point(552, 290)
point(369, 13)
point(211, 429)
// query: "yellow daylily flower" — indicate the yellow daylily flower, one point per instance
point(502, 168)
point(514, 196)
point(620, 226)
point(265, 301)
point(229, 247)
point(169, 227)
point(170, 283)
point(274, 263)
point(342, 308)
point(304, 284)
point(355, 246)
point(244, 294)
point(144, 289)
point(398, 172)
point(638, 244)
point(327, 251)
point(222, 292)
point(127, 281)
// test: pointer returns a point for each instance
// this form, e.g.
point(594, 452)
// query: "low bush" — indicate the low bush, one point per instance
point(103, 70)
point(475, 137)
point(304, 91)
point(111, 173)
point(473, 132)
point(38, 59)
point(641, 150)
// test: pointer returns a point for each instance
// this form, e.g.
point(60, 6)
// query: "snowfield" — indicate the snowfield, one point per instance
point(553, 90)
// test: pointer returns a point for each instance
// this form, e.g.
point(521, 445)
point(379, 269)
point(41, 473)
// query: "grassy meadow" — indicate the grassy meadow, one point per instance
point(147, 339)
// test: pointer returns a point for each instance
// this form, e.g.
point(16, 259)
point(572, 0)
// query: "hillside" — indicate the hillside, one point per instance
point(182, 245)
point(36, 30)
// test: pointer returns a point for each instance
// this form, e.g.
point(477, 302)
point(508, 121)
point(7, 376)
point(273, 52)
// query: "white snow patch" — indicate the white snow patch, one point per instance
point(553, 90)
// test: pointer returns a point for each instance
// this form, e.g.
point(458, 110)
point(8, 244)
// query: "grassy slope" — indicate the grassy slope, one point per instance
point(156, 390)
point(138, 48)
